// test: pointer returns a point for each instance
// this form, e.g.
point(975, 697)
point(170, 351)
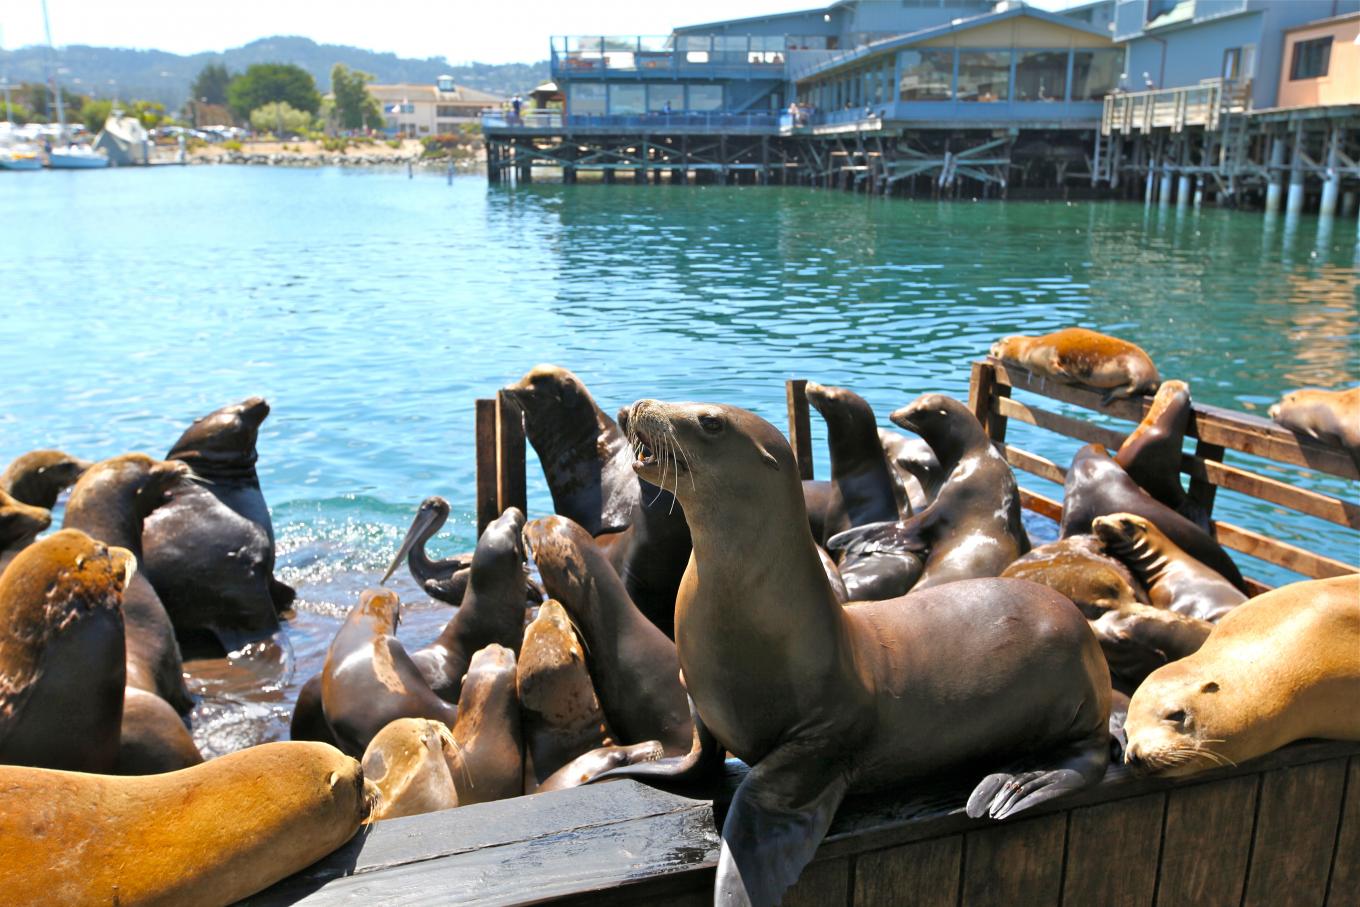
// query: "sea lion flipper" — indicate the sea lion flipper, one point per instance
point(1004, 794)
point(703, 762)
point(282, 594)
point(778, 817)
point(882, 538)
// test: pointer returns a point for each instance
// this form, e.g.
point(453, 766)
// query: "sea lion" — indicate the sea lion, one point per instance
point(972, 528)
point(822, 699)
point(153, 738)
point(309, 717)
point(210, 834)
point(584, 455)
point(209, 550)
point(561, 713)
point(1281, 667)
point(596, 762)
point(110, 502)
point(492, 610)
point(20, 524)
point(1085, 358)
point(1332, 417)
point(1174, 580)
point(408, 763)
point(915, 470)
point(833, 576)
point(369, 681)
point(1152, 452)
point(1079, 569)
point(862, 486)
point(38, 476)
point(632, 664)
point(1139, 639)
point(61, 654)
point(488, 761)
point(1096, 486)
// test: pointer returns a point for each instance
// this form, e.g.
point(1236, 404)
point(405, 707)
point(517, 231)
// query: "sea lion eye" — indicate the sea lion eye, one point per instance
point(710, 424)
point(1209, 687)
point(1177, 716)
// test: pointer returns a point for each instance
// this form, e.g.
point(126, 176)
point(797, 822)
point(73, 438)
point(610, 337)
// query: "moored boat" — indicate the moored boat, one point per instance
point(20, 158)
point(76, 157)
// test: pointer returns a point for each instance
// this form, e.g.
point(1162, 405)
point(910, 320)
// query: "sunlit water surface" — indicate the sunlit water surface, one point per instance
point(372, 309)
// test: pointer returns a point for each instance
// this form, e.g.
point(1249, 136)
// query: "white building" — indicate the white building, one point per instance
point(421, 110)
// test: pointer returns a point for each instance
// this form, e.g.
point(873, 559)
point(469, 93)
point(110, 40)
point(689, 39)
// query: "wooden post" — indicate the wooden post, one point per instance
point(983, 388)
point(510, 484)
point(800, 428)
point(487, 480)
point(1202, 491)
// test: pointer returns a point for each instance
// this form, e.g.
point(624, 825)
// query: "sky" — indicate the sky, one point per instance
point(507, 31)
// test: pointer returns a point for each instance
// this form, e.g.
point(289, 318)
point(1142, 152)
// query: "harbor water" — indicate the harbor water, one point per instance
point(371, 309)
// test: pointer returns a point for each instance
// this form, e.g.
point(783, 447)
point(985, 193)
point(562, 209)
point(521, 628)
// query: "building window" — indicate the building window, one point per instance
point(1311, 59)
point(627, 99)
point(927, 75)
point(1040, 75)
point(587, 98)
point(984, 75)
point(446, 110)
point(705, 97)
point(661, 94)
point(406, 108)
point(1095, 73)
point(445, 127)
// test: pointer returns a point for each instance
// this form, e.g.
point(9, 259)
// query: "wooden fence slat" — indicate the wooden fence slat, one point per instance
point(511, 488)
point(1206, 843)
point(1042, 467)
point(825, 883)
point(1202, 491)
point(1130, 828)
point(1014, 863)
point(1063, 425)
point(1041, 505)
point(925, 874)
point(1322, 506)
point(488, 481)
point(985, 399)
point(1296, 827)
point(1343, 889)
point(1282, 553)
point(800, 425)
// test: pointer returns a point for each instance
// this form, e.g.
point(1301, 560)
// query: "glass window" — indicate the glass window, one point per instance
point(1095, 73)
point(586, 98)
point(695, 42)
point(658, 94)
point(705, 97)
point(1311, 59)
point(984, 75)
point(627, 99)
point(1041, 75)
point(926, 75)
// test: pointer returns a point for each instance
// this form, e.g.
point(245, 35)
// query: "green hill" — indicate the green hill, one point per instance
point(159, 76)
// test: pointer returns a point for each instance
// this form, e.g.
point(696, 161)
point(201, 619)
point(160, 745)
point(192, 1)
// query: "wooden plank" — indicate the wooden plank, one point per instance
point(800, 428)
point(1206, 843)
point(1343, 889)
point(984, 399)
point(487, 478)
point(1112, 853)
point(1322, 506)
point(925, 874)
point(1041, 505)
point(825, 883)
point(1276, 552)
point(1042, 467)
point(1014, 863)
point(511, 489)
point(1296, 826)
point(1201, 490)
point(1063, 425)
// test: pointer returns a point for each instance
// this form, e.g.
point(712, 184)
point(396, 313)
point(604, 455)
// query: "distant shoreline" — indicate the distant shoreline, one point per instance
point(312, 154)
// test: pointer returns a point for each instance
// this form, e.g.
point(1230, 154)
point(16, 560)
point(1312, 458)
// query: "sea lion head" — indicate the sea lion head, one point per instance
point(1184, 718)
point(407, 768)
point(500, 550)
point(841, 407)
point(1007, 347)
point(559, 547)
point(381, 608)
point(547, 388)
point(20, 523)
point(488, 696)
point(943, 422)
point(224, 438)
point(132, 481)
point(552, 679)
point(708, 454)
point(38, 476)
point(1122, 532)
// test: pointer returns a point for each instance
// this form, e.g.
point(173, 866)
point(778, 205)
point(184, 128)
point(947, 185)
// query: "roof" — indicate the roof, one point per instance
point(427, 91)
point(958, 25)
point(700, 26)
point(1327, 21)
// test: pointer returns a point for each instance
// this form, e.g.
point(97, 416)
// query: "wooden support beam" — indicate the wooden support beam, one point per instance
point(510, 482)
point(800, 426)
point(488, 483)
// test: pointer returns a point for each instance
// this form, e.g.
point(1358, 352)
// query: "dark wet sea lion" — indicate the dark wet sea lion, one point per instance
point(833, 576)
point(596, 762)
point(1174, 580)
point(488, 761)
point(1151, 454)
point(1281, 667)
point(1139, 639)
point(862, 489)
point(110, 502)
point(407, 764)
point(309, 717)
point(61, 653)
point(38, 476)
point(632, 664)
point(369, 680)
point(972, 529)
point(1096, 486)
point(209, 550)
point(1082, 357)
point(153, 738)
point(584, 455)
point(822, 699)
point(20, 524)
point(1080, 569)
point(1332, 417)
point(492, 610)
point(915, 469)
point(561, 713)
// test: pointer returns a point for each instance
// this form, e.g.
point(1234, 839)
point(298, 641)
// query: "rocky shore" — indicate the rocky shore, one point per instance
point(312, 154)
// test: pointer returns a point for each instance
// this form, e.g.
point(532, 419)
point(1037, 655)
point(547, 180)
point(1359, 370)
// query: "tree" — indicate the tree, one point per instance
point(94, 113)
point(211, 85)
point(355, 108)
point(281, 119)
point(264, 83)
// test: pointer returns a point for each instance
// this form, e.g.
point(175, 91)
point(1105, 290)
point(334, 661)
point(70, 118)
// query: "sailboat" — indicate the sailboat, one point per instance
point(14, 153)
point(68, 155)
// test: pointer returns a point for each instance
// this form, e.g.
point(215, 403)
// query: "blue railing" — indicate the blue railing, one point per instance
point(552, 119)
point(640, 54)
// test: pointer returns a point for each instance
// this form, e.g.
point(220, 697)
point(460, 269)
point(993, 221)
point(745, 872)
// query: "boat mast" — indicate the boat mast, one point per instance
point(4, 81)
point(51, 77)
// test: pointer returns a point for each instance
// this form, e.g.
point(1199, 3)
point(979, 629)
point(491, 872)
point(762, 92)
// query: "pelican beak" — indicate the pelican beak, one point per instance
point(424, 517)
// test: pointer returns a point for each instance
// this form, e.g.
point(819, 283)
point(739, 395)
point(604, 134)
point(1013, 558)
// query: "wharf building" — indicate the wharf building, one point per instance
point(1221, 100)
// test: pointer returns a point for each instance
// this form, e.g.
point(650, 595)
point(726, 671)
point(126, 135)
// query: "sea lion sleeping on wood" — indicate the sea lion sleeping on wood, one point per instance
point(1082, 357)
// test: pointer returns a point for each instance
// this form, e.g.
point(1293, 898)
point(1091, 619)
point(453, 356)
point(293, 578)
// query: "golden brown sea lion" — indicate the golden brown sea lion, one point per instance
point(1332, 417)
point(821, 699)
point(1280, 667)
point(408, 762)
point(1082, 357)
point(38, 476)
point(153, 738)
point(1078, 568)
point(20, 524)
point(488, 763)
point(1174, 580)
point(562, 715)
point(206, 835)
point(61, 653)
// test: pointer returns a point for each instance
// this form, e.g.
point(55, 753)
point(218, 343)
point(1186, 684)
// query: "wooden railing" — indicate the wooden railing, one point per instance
point(1174, 108)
